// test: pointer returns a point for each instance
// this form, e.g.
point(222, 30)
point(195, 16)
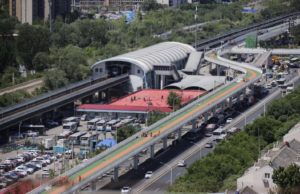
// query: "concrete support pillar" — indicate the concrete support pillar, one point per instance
point(93, 185)
point(210, 67)
point(162, 81)
point(165, 143)
point(218, 70)
point(205, 117)
point(152, 151)
point(135, 162)
point(116, 174)
point(194, 123)
point(156, 81)
point(230, 101)
point(179, 134)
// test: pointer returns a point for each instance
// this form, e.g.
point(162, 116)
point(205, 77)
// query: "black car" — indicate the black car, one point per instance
point(30, 165)
point(12, 176)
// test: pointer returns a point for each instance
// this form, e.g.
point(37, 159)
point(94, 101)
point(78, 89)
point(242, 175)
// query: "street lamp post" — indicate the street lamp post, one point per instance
point(171, 169)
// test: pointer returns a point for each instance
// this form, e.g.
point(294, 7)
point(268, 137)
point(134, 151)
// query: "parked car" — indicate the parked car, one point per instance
point(6, 180)
point(25, 168)
point(148, 175)
point(38, 164)
point(41, 159)
point(35, 167)
point(19, 173)
point(11, 175)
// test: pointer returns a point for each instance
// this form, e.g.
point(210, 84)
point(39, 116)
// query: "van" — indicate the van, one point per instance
point(71, 126)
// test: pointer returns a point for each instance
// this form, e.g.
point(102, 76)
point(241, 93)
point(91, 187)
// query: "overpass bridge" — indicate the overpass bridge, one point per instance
point(11, 117)
point(112, 158)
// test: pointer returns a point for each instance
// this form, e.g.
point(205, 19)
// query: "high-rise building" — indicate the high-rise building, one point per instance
point(28, 11)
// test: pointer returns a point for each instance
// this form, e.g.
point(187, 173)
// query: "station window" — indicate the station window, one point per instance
point(138, 71)
point(96, 70)
point(267, 175)
point(100, 70)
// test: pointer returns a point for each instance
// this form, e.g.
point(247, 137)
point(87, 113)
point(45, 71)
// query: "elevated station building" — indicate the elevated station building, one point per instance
point(151, 67)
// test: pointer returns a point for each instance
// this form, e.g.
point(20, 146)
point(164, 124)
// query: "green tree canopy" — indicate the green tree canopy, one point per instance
point(174, 100)
point(288, 179)
point(31, 40)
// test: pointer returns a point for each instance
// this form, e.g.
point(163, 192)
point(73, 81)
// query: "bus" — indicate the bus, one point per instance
point(64, 135)
point(71, 126)
point(75, 138)
point(100, 125)
point(219, 131)
point(87, 138)
point(91, 125)
point(112, 122)
point(72, 119)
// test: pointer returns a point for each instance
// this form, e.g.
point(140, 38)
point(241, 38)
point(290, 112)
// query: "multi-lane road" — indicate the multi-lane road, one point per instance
point(162, 177)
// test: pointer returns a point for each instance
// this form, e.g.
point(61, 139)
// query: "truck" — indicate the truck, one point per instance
point(49, 143)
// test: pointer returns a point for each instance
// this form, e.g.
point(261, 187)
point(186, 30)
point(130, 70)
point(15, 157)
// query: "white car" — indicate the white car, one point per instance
point(208, 145)
point(24, 168)
point(269, 86)
point(181, 163)
point(148, 175)
point(126, 189)
point(229, 120)
point(22, 172)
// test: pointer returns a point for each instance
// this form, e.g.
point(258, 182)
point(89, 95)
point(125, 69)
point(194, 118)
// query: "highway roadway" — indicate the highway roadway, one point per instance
point(161, 179)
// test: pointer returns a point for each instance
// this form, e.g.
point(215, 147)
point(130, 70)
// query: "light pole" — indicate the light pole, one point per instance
point(171, 169)
point(200, 153)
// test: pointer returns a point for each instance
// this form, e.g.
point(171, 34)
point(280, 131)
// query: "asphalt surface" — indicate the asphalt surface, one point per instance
point(162, 183)
point(185, 149)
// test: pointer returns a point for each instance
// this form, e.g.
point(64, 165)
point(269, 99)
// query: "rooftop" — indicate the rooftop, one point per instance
point(143, 101)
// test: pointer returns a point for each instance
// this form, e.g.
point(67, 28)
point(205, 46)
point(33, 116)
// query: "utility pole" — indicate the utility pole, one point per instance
point(50, 14)
point(196, 16)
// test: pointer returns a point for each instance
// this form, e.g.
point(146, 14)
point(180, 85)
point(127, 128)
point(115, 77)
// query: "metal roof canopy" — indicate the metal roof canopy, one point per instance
point(159, 54)
point(197, 81)
point(193, 62)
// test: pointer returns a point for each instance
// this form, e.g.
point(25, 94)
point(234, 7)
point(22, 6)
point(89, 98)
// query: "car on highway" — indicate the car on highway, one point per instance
point(148, 174)
point(229, 120)
point(125, 189)
point(269, 86)
point(181, 163)
point(209, 145)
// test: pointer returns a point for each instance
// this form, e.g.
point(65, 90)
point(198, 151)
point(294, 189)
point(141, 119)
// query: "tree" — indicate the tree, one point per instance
point(154, 117)
point(55, 78)
point(148, 5)
point(174, 100)
point(288, 179)
point(41, 61)
point(31, 40)
point(125, 132)
point(7, 42)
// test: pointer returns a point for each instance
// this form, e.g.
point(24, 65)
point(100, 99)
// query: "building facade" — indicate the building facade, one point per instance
point(28, 11)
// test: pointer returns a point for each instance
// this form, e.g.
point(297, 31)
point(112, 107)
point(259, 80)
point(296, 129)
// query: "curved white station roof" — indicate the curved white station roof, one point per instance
point(159, 54)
